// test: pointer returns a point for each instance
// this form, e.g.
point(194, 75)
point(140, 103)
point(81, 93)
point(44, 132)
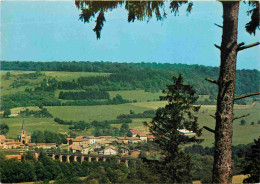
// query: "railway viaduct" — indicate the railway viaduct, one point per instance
point(77, 157)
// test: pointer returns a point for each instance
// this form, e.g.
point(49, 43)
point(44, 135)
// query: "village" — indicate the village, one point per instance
point(102, 145)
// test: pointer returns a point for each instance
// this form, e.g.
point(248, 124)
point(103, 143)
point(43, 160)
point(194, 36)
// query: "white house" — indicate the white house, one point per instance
point(111, 150)
point(185, 131)
point(91, 139)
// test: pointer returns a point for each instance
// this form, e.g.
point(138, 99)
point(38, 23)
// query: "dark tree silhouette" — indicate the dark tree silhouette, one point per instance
point(253, 164)
point(142, 10)
point(166, 127)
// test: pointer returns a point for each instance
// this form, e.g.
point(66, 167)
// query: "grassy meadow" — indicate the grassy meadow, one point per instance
point(242, 134)
point(61, 76)
point(138, 95)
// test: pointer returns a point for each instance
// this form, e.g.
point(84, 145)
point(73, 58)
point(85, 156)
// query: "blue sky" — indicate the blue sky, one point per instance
point(51, 31)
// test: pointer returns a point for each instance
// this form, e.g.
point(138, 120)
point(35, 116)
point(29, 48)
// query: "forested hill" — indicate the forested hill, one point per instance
point(149, 76)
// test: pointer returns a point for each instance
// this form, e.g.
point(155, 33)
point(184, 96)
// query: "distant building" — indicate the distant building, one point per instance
point(143, 136)
point(23, 137)
point(187, 132)
point(79, 142)
point(19, 157)
point(133, 140)
point(111, 150)
point(150, 137)
point(9, 143)
point(134, 133)
point(91, 139)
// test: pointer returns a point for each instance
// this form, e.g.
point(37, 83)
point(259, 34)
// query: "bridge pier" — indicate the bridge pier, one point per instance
point(82, 159)
point(60, 158)
point(75, 158)
point(89, 159)
point(104, 159)
point(68, 158)
point(53, 156)
point(97, 159)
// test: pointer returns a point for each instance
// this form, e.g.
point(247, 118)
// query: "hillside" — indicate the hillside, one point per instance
point(101, 91)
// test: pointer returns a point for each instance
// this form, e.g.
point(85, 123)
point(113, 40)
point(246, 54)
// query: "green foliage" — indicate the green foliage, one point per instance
point(45, 169)
point(7, 113)
point(29, 99)
point(19, 83)
point(125, 76)
point(6, 76)
point(253, 163)
point(145, 114)
point(242, 122)
point(72, 134)
point(48, 137)
point(202, 159)
point(37, 114)
point(4, 128)
point(83, 95)
point(124, 129)
point(177, 114)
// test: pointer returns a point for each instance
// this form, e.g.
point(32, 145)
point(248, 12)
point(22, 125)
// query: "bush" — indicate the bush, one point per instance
point(242, 122)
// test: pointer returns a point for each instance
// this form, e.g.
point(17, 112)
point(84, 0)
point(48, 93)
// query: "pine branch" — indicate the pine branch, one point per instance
point(212, 116)
point(248, 46)
point(244, 96)
point(241, 44)
point(209, 129)
point(241, 116)
point(218, 25)
point(217, 46)
point(211, 80)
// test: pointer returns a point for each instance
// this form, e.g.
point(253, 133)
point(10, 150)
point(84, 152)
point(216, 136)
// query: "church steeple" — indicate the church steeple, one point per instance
point(23, 128)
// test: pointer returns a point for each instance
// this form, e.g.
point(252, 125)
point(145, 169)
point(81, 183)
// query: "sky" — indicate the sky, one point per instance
point(52, 31)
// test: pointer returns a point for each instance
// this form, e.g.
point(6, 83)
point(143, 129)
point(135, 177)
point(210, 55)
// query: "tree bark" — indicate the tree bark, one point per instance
point(222, 171)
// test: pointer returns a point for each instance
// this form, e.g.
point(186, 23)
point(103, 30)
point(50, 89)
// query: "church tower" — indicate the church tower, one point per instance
point(23, 137)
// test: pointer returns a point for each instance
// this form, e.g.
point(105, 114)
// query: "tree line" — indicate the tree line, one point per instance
point(145, 114)
point(42, 98)
point(99, 126)
point(83, 95)
point(37, 114)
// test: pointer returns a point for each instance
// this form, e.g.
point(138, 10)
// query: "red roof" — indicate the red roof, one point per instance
point(134, 131)
point(150, 136)
point(142, 134)
point(112, 147)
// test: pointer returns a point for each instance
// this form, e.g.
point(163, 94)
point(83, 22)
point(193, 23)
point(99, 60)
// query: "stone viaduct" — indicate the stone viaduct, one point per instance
point(77, 157)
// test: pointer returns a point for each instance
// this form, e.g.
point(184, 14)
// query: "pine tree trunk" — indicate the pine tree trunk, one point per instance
point(222, 171)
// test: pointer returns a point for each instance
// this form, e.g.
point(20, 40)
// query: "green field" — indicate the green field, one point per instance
point(138, 95)
point(241, 134)
point(91, 113)
point(60, 76)
point(33, 124)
